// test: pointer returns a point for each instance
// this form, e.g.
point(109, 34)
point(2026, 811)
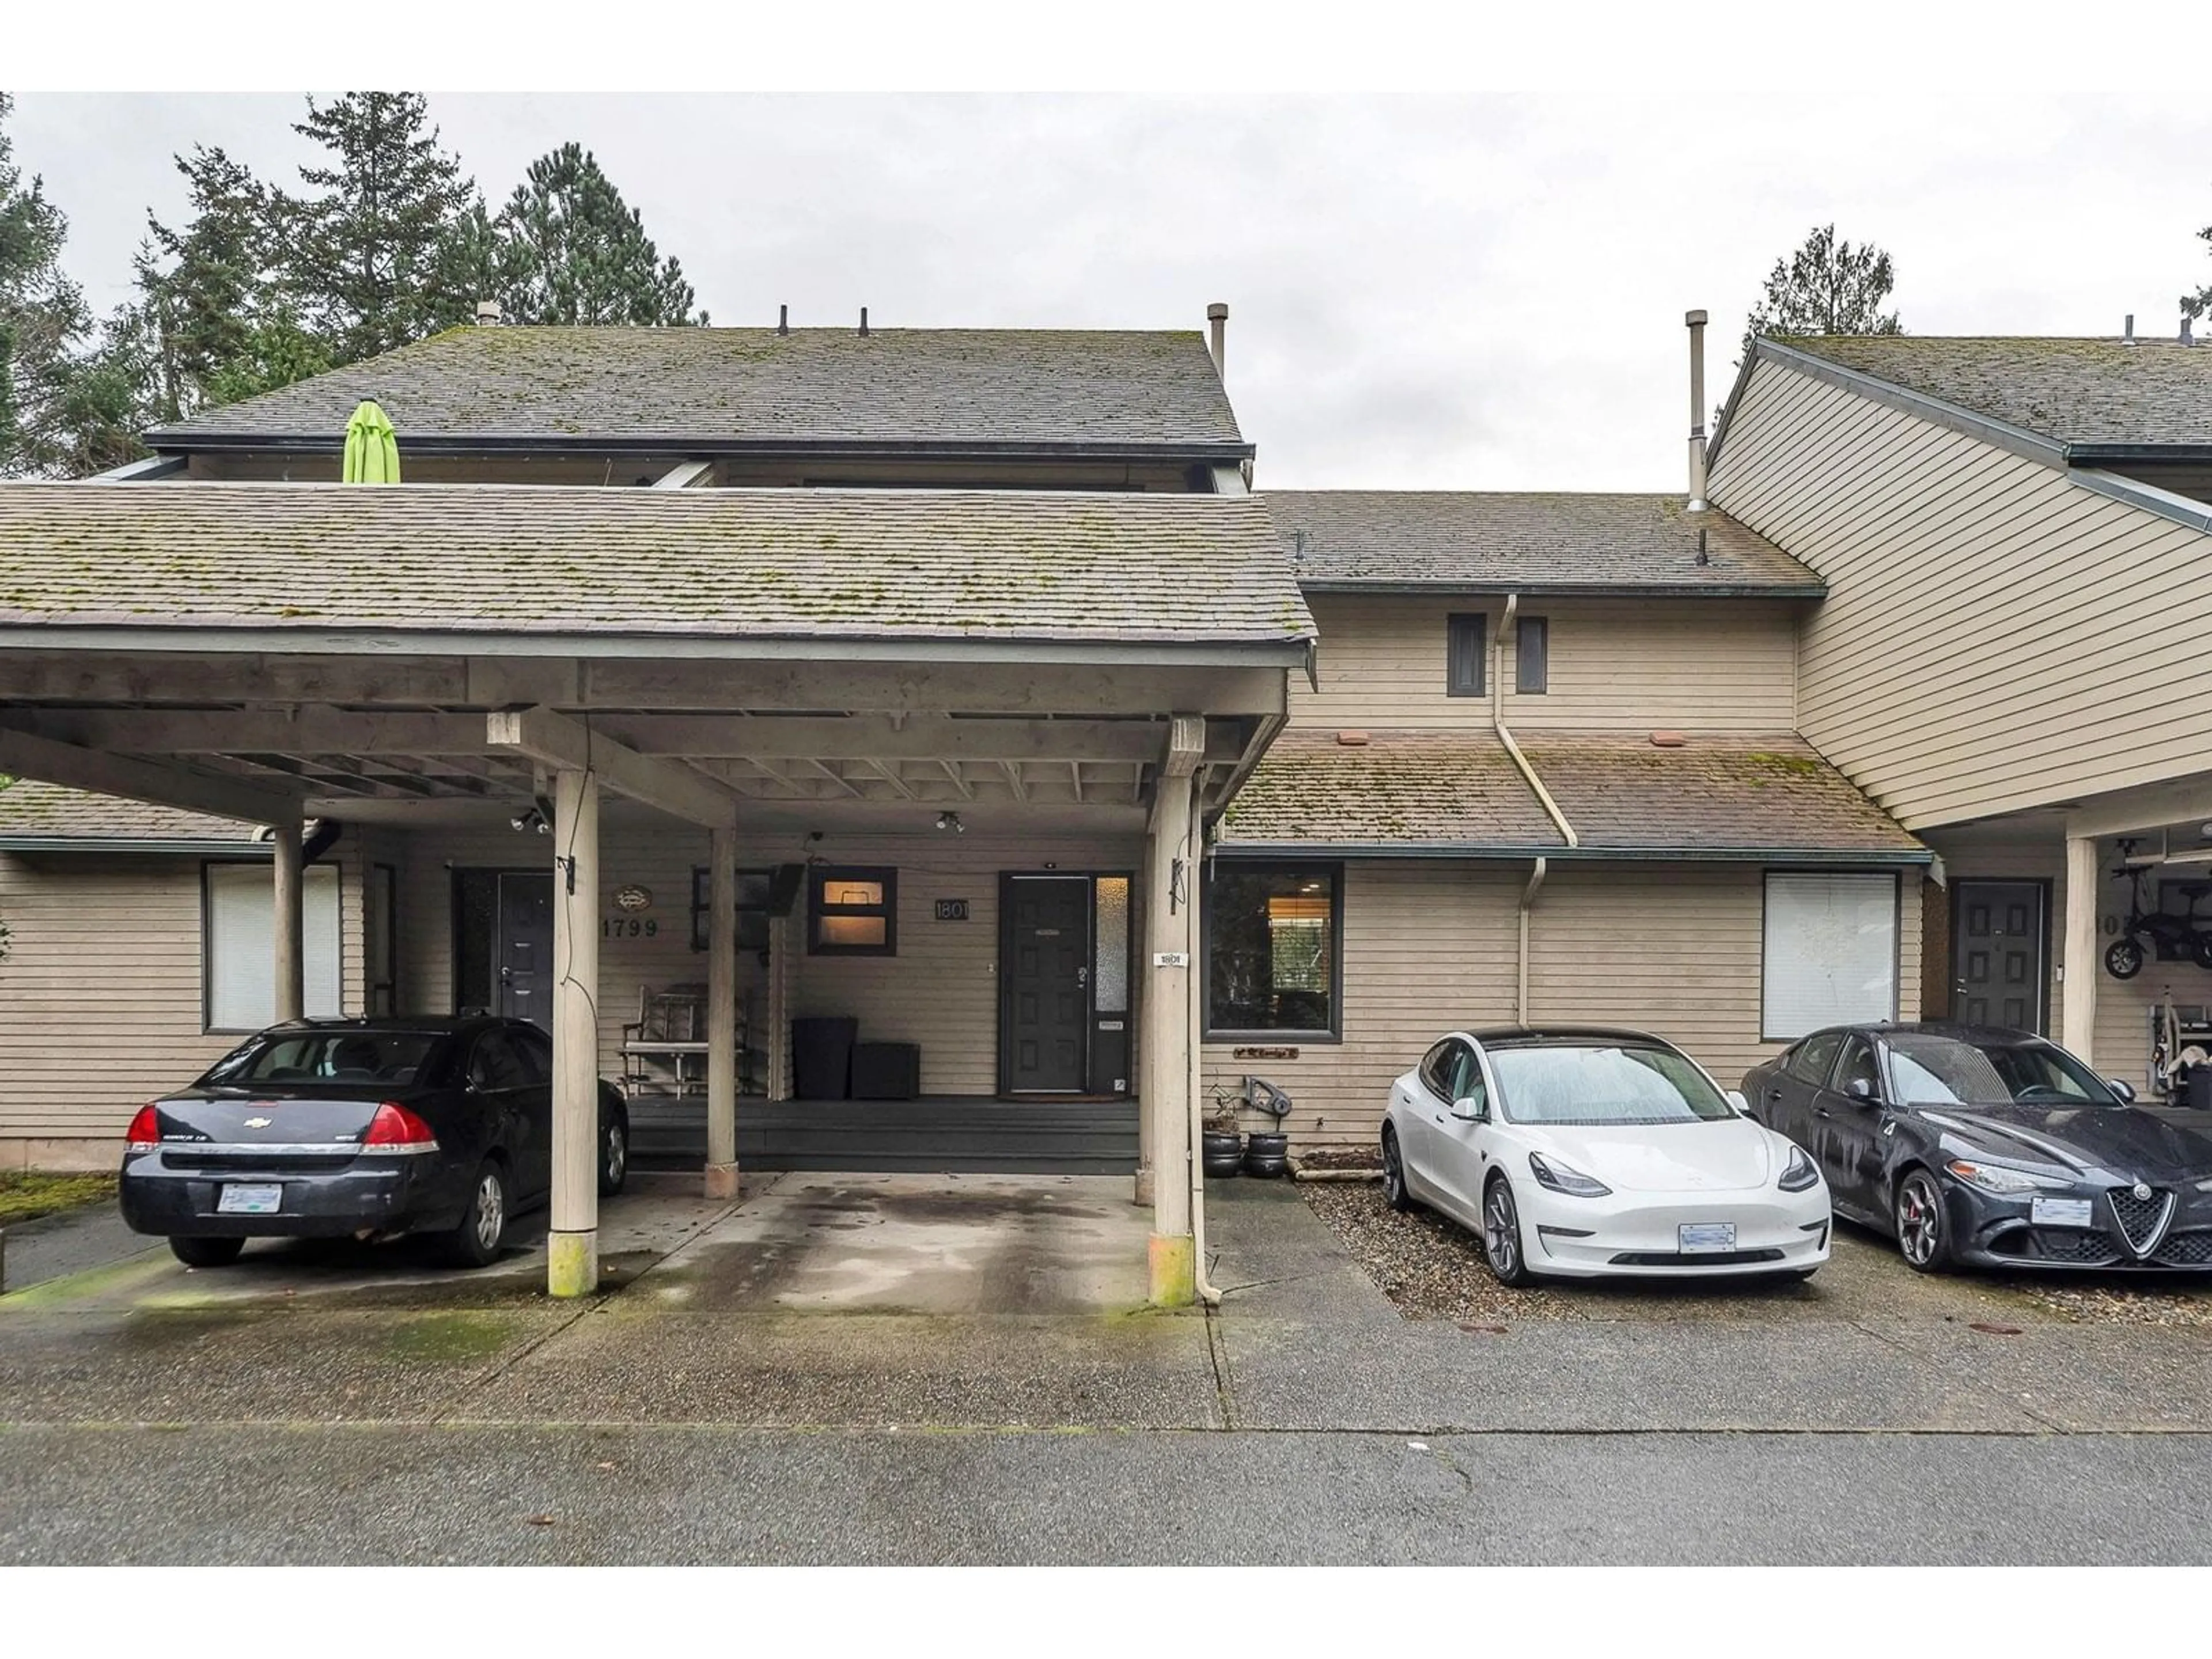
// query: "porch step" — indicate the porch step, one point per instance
point(964, 1135)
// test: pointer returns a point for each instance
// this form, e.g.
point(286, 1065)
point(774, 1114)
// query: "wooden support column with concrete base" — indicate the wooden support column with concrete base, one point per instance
point(572, 1265)
point(2077, 1019)
point(722, 1015)
point(288, 932)
point(1171, 943)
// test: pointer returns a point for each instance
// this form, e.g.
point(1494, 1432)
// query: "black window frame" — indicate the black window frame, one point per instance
point(1334, 1031)
point(1529, 631)
point(819, 876)
point(702, 904)
point(1467, 641)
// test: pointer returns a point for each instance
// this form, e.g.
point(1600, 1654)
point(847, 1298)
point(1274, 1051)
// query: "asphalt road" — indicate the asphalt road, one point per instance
point(252, 1493)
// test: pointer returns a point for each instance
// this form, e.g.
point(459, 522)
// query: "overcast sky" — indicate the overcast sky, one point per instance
point(1473, 291)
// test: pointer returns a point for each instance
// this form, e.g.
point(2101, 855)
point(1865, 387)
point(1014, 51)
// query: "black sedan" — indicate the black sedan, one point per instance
point(1973, 1145)
point(358, 1128)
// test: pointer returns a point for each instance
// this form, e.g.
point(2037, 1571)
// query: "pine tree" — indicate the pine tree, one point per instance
point(365, 256)
point(567, 248)
point(43, 317)
point(1826, 287)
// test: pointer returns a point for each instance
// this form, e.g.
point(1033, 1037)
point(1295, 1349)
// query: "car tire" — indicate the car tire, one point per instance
point(2124, 958)
point(475, 1242)
point(206, 1252)
point(2200, 949)
point(1923, 1226)
point(1395, 1193)
point(614, 1155)
point(1501, 1235)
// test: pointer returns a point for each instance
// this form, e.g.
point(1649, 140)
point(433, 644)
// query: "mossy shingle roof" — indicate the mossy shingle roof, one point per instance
point(1558, 543)
point(34, 811)
point(707, 387)
point(2070, 390)
point(1443, 791)
point(899, 565)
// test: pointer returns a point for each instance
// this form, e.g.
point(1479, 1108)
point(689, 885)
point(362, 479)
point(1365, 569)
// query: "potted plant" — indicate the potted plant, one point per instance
point(1221, 1148)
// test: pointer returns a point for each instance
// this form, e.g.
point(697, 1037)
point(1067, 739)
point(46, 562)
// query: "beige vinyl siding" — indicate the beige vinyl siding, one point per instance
point(1708, 665)
point(1996, 636)
point(1431, 946)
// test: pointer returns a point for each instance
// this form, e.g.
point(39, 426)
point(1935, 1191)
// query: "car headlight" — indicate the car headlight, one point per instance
point(2004, 1178)
point(1561, 1179)
point(1798, 1174)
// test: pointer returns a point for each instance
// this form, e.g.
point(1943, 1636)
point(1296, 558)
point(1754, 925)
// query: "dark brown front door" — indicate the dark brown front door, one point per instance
point(1045, 964)
point(1996, 953)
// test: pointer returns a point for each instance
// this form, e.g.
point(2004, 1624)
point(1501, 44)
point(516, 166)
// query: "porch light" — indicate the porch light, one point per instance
point(951, 821)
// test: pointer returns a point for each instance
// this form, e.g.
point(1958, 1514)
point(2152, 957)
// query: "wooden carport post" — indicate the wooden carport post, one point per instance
point(288, 932)
point(722, 1015)
point(1170, 942)
point(572, 1264)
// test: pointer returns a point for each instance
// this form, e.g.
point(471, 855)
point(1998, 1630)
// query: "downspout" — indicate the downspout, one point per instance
point(1542, 867)
point(1208, 1292)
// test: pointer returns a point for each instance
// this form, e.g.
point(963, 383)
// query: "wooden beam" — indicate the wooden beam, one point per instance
point(952, 771)
point(23, 754)
point(1075, 771)
point(565, 744)
point(684, 475)
point(837, 778)
point(2141, 811)
point(1014, 779)
point(889, 773)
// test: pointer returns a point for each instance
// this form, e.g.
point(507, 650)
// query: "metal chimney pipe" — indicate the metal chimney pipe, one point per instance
point(1695, 320)
point(783, 319)
point(864, 322)
point(2186, 339)
point(1217, 317)
point(2129, 338)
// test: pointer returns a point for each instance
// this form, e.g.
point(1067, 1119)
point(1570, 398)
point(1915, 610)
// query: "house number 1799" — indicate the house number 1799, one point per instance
point(630, 927)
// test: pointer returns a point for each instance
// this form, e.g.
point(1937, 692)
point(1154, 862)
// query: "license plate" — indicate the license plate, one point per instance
point(1706, 1237)
point(2059, 1211)
point(238, 1199)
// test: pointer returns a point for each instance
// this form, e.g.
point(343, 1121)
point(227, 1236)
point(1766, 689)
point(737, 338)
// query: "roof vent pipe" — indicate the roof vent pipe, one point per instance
point(1696, 320)
point(2186, 339)
point(488, 313)
point(864, 322)
point(783, 319)
point(1217, 318)
point(2128, 338)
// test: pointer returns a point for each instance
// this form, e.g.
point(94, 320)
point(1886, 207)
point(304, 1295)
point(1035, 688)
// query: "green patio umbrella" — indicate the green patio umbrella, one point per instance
point(372, 448)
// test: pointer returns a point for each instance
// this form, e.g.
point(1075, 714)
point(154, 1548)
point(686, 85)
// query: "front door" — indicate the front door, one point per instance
point(523, 953)
point(1996, 953)
point(1045, 992)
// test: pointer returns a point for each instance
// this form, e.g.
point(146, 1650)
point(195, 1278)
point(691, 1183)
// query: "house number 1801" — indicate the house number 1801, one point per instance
point(630, 927)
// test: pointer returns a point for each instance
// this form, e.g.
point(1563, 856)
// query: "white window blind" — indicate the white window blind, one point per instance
point(241, 946)
point(1831, 951)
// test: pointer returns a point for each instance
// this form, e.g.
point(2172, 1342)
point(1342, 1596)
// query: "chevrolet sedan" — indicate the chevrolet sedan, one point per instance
point(365, 1129)
point(1586, 1152)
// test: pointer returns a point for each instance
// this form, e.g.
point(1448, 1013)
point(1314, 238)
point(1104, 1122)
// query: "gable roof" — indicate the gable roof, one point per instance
point(1550, 542)
point(752, 390)
point(736, 565)
point(36, 817)
point(2091, 396)
point(1457, 794)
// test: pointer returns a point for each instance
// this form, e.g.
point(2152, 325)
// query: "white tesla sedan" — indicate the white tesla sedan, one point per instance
point(1578, 1152)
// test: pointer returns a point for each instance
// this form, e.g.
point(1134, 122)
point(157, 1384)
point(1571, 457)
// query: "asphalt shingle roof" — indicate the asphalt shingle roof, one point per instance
point(1431, 790)
point(30, 810)
point(1550, 542)
point(2070, 390)
point(708, 387)
point(739, 563)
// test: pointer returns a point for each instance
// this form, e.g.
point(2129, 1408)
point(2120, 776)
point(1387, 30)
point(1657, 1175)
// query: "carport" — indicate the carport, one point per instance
point(757, 665)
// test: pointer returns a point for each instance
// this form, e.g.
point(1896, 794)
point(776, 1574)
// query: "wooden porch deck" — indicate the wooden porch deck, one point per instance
point(962, 1133)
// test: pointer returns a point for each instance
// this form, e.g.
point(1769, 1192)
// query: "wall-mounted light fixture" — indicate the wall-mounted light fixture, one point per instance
point(951, 821)
point(537, 816)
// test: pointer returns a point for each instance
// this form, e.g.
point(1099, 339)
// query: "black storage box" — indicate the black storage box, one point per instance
point(2198, 1093)
point(886, 1071)
point(822, 1057)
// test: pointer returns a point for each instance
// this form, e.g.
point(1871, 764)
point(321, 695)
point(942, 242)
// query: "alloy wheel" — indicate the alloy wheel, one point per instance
point(491, 1210)
point(1919, 1219)
point(615, 1158)
point(1394, 1175)
point(1501, 1231)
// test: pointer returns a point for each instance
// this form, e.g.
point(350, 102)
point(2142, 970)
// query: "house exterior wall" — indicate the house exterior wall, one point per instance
point(1996, 636)
point(1699, 666)
point(1432, 945)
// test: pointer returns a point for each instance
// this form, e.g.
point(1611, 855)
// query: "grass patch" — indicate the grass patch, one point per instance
point(26, 1194)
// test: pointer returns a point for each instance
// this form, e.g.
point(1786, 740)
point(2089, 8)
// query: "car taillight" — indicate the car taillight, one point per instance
point(396, 1129)
point(145, 1132)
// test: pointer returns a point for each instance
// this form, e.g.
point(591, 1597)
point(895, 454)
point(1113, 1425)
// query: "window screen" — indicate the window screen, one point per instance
point(240, 934)
point(1532, 645)
point(1464, 643)
point(1830, 953)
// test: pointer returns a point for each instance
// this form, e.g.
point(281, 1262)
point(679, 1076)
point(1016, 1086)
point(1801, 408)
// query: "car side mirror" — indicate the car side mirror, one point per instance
point(1735, 1099)
point(1468, 1107)
point(1860, 1089)
point(2122, 1088)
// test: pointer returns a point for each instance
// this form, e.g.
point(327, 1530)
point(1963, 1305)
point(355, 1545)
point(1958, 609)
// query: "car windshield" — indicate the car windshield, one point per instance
point(1600, 1083)
point(327, 1057)
point(1927, 1070)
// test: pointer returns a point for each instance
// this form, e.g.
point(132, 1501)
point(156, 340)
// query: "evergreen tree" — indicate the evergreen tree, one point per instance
point(567, 248)
point(43, 317)
point(365, 257)
point(204, 286)
point(1826, 287)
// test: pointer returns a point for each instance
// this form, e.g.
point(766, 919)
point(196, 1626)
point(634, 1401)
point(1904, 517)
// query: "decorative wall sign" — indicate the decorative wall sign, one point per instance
point(1267, 1053)
point(633, 897)
point(951, 909)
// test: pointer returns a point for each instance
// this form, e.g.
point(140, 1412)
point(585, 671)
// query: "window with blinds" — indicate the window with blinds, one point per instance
point(1830, 953)
point(238, 936)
